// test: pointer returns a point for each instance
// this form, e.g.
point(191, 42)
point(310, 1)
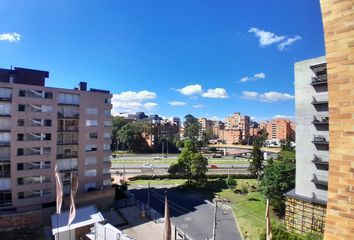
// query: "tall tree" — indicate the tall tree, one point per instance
point(190, 165)
point(130, 135)
point(117, 124)
point(279, 178)
point(191, 128)
point(286, 145)
point(257, 158)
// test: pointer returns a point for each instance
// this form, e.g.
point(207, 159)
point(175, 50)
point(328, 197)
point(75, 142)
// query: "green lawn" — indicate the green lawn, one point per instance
point(249, 209)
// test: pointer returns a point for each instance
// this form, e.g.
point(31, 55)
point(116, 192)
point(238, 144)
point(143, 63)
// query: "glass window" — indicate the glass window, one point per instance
point(91, 123)
point(90, 147)
point(91, 173)
point(106, 171)
point(106, 182)
point(93, 111)
point(90, 186)
point(107, 123)
point(90, 160)
point(106, 147)
point(107, 112)
point(107, 135)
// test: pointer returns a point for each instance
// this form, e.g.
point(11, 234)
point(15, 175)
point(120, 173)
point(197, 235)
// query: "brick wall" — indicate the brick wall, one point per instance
point(12, 221)
point(338, 21)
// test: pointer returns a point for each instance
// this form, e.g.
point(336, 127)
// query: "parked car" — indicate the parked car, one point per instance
point(157, 158)
point(114, 155)
point(213, 166)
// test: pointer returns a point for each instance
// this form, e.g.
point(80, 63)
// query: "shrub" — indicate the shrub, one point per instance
point(231, 182)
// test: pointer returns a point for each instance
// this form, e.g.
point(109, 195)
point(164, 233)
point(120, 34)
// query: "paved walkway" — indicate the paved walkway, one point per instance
point(141, 228)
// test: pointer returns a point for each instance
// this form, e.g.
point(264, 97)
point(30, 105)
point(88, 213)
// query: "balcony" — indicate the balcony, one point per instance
point(68, 115)
point(68, 142)
point(320, 120)
point(319, 80)
point(319, 139)
point(319, 102)
point(4, 143)
point(67, 155)
point(5, 173)
point(318, 160)
point(319, 181)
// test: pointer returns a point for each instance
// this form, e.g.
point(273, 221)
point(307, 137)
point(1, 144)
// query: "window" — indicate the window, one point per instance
point(5, 137)
point(91, 123)
point(48, 122)
point(106, 171)
point(107, 159)
point(33, 165)
point(91, 173)
point(106, 182)
point(107, 135)
point(33, 194)
point(107, 123)
point(107, 100)
point(48, 95)
point(33, 180)
point(90, 148)
point(106, 147)
point(5, 124)
point(90, 160)
point(5, 93)
point(5, 108)
point(47, 137)
point(107, 112)
point(93, 111)
point(68, 98)
point(47, 108)
point(92, 136)
point(90, 186)
point(22, 93)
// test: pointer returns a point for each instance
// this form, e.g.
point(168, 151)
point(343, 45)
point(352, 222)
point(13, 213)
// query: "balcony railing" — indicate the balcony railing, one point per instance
point(4, 143)
point(318, 139)
point(5, 174)
point(67, 155)
point(319, 181)
point(6, 98)
point(318, 102)
point(68, 115)
point(320, 120)
point(318, 160)
point(68, 142)
point(319, 80)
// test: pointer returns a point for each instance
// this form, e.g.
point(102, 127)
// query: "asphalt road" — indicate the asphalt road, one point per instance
point(165, 165)
point(192, 214)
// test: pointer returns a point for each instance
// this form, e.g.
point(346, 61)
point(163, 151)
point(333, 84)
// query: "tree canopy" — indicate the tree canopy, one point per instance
point(257, 158)
point(191, 128)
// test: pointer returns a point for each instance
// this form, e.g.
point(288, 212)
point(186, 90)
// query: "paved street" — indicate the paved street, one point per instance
point(192, 214)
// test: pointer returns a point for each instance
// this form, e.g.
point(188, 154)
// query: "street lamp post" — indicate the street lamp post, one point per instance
point(149, 208)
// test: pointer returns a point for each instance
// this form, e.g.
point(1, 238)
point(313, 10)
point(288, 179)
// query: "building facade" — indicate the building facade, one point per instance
point(236, 121)
point(280, 129)
point(41, 127)
point(306, 204)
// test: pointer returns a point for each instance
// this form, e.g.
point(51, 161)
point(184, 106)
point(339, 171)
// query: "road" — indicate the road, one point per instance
point(192, 214)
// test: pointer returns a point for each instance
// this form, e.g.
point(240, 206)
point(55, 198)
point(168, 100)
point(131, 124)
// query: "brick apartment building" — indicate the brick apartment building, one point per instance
point(164, 130)
point(238, 122)
point(42, 126)
point(280, 129)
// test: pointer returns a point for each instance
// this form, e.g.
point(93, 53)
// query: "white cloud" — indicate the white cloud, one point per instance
point(216, 118)
point(283, 116)
point(266, 38)
point(10, 37)
point(269, 38)
point(131, 102)
point(177, 103)
point(191, 90)
point(288, 42)
point(260, 75)
point(198, 106)
point(267, 96)
point(256, 76)
point(215, 93)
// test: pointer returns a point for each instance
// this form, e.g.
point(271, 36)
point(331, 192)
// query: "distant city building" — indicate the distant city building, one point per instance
point(236, 121)
point(306, 204)
point(204, 126)
point(41, 127)
point(280, 129)
point(165, 130)
point(230, 136)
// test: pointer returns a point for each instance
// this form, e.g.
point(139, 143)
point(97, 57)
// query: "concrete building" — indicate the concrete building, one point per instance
point(230, 136)
point(280, 129)
point(41, 127)
point(306, 204)
point(205, 125)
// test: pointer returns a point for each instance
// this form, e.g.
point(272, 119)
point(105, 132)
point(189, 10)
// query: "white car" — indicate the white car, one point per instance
point(157, 158)
point(148, 165)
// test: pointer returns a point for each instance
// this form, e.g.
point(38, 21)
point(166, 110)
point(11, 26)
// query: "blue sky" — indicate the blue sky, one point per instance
point(204, 57)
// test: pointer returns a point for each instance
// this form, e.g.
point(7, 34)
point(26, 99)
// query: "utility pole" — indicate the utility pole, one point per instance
point(167, 148)
point(162, 148)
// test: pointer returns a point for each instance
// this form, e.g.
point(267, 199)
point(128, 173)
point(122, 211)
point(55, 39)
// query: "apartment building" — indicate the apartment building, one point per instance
point(230, 136)
point(236, 121)
point(42, 126)
point(205, 125)
point(280, 129)
point(165, 130)
point(306, 204)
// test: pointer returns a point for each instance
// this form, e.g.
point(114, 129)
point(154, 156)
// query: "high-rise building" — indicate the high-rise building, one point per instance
point(236, 121)
point(306, 204)
point(205, 125)
point(41, 127)
point(280, 129)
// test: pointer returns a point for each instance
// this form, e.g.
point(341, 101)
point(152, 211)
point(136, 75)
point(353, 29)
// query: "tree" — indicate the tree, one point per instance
point(231, 182)
point(190, 165)
point(191, 128)
point(279, 178)
point(257, 158)
point(286, 145)
point(117, 124)
point(130, 135)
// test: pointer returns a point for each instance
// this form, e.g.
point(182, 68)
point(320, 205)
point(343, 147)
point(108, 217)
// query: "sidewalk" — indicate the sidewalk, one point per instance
point(141, 228)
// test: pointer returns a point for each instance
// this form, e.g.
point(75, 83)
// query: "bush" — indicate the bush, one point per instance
point(231, 182)
point(280, 233)
point(245, 187)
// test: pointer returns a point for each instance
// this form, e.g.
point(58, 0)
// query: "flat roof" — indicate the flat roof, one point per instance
point(87, 215)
